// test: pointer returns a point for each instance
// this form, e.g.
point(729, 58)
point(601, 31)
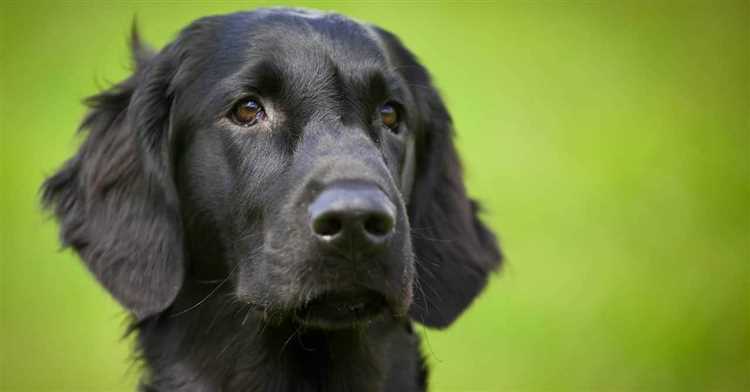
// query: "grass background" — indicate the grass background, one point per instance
point(609, 142)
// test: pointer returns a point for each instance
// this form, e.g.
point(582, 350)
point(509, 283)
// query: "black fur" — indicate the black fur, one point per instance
point(198, 226)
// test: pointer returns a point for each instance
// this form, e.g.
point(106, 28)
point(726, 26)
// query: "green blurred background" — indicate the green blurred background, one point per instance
point(609, 142)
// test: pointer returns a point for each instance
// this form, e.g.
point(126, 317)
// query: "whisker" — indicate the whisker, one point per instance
point(294, 333)
point(211, 293)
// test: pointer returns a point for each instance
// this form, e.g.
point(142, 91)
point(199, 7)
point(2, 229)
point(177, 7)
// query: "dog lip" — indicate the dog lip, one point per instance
point(342, 309)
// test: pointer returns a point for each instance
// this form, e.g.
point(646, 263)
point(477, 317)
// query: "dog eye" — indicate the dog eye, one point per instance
point(389, 116)
point(247, 112)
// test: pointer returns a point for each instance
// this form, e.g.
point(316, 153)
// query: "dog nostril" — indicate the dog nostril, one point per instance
point(352, 218)
point(378, 224)
point(327, 225)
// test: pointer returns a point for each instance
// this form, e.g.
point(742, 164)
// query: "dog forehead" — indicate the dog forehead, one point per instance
point(308, 53)
point(304, 37)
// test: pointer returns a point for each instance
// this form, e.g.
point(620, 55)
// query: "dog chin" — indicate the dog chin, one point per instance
point(330, 310)
point(342, 309)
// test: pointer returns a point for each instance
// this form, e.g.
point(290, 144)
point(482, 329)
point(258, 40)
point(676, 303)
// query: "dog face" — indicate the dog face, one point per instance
point(304, 156)
point(290, 159)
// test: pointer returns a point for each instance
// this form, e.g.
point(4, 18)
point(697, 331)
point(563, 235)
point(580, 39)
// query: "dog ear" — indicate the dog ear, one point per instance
point(116, 200)
point(454, 250)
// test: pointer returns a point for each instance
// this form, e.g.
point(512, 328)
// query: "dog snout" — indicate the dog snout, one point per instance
point(353, 218)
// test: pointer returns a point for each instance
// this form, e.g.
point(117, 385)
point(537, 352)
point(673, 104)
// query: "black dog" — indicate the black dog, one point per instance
point(276, 196)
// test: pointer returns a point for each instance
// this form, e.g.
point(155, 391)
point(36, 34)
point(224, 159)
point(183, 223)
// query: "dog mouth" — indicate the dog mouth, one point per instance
point(342, 309)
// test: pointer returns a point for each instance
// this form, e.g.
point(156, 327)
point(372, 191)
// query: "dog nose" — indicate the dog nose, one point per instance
point(353, 217)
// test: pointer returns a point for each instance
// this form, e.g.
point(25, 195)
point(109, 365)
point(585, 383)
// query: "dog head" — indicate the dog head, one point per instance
point(305, 157)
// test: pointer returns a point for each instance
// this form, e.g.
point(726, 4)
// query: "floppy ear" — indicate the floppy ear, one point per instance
point(115, 199)
point(455, 251)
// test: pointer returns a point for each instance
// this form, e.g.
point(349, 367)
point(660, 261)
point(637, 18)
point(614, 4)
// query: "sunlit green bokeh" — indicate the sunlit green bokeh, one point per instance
point(608, 140)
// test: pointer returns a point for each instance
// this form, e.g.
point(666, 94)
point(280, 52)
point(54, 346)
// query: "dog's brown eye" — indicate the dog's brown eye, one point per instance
point(389, 115)
point(248, 112)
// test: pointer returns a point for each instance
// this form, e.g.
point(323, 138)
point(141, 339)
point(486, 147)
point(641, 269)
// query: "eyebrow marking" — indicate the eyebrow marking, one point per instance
point(264, 76)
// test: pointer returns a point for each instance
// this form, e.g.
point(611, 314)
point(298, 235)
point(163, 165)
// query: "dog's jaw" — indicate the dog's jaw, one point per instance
point(222, 345)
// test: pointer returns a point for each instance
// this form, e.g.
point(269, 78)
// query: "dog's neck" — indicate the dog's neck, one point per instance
point(224, 346)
